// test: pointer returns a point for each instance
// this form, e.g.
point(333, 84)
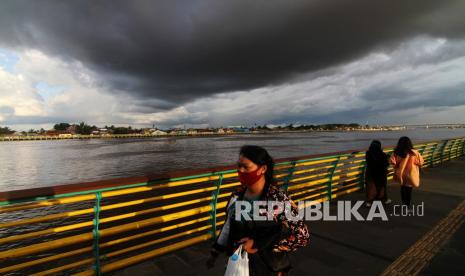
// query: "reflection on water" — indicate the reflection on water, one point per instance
point(29, 164)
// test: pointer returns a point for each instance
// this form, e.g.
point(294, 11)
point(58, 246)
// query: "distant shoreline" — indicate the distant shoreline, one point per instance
point(187, 135)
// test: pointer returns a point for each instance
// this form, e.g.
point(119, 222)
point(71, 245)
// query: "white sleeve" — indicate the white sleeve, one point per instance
point(223, 237)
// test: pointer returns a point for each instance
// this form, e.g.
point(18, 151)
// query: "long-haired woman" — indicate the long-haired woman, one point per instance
point(407, 163)
point(376, 173)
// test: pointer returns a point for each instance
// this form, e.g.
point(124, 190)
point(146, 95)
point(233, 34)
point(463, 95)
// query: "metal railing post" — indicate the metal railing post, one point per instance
point(96, 233)
point(463, 146)
point(422, 150)
point(431, 160)
point(362, 175)
point(458, 143)
point(330, 180)
point(457, 149)
point(451, 146)
point(442, 150)
point(213, 205)
point(287, 178)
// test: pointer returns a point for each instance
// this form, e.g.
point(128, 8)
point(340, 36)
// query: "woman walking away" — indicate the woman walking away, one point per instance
point(407, 163)
point(268, 242)
point(376, 174)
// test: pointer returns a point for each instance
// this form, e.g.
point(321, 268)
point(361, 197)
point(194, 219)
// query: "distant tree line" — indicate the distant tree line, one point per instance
point(81, 128)
point(61, 126)
point(122, 130)
point(85, 129)
point(311, 127)
point(6, 131)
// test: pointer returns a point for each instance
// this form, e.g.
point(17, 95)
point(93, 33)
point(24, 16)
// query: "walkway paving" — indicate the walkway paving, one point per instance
point(364, 248)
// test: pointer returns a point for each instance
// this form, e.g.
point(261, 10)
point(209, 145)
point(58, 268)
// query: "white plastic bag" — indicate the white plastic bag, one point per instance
point(238, 263)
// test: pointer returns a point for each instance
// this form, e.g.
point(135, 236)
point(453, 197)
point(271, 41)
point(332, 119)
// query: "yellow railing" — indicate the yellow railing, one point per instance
point(102, 230)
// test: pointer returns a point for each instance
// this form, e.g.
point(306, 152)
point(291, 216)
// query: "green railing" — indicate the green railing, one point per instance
point(92, 229)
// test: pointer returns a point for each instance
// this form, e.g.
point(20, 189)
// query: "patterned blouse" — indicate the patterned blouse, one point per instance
point(298, 236)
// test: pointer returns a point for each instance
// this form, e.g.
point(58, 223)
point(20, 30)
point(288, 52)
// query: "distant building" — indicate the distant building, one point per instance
point(71, 129)
point(53, 132)
point(176, 131)
point(158, 132)
point(205, 131)
point(147, 131)
point(241, 130)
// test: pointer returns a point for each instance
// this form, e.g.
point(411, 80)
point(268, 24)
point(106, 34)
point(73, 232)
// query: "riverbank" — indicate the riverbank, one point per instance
point(204, 134)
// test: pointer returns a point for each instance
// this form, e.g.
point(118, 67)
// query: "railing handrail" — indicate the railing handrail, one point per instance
point(63, 190)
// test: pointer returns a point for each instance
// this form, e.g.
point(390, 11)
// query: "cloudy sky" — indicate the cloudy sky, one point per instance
point(219, 63)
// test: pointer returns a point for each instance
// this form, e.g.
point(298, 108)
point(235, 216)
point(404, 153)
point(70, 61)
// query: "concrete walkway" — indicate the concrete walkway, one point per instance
point(361, 248)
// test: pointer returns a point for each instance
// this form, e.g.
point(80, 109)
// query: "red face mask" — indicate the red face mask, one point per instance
point(248, 178)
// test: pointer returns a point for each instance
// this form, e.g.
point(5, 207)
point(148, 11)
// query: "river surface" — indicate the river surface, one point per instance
point(28, 164)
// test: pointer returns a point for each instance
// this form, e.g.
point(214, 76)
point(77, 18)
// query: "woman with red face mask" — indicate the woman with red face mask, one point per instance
point(268, 243)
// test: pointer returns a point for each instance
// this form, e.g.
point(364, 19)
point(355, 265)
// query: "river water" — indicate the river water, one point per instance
point(29, 164)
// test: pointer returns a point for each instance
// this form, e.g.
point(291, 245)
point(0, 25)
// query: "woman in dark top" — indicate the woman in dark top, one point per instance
point(268, 243)
point(376, 173)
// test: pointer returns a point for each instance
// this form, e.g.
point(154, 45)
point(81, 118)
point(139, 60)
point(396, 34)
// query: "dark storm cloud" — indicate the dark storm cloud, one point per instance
point(172, 52)
point(402, 99)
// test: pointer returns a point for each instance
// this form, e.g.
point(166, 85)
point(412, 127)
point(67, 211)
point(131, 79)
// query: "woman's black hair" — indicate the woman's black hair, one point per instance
point(375, 146)
point(260, 156)
point(404, 147)
point(375, 150)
